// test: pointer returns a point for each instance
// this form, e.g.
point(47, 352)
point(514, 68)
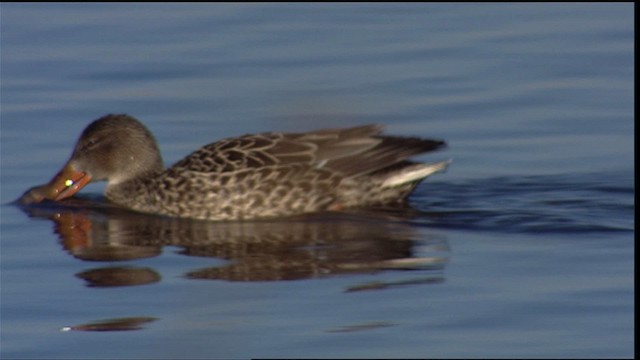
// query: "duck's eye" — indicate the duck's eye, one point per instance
point(90, 143)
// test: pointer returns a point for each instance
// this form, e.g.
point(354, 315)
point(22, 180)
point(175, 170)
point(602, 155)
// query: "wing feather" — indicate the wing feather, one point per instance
point(351, 152)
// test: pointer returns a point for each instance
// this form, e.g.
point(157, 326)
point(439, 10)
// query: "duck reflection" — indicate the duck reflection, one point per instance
point(116, 324)
point(296, 248)
point(119, 276)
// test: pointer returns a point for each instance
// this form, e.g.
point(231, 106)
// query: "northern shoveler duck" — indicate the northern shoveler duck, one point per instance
point(252, 176)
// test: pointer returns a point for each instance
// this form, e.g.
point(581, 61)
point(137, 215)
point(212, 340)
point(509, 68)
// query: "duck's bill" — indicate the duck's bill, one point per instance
point(66, 183)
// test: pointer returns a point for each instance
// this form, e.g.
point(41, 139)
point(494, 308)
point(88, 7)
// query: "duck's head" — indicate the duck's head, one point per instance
point(115, 148)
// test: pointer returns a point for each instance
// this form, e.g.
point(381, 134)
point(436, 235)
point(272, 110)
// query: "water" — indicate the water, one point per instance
point(524, 248)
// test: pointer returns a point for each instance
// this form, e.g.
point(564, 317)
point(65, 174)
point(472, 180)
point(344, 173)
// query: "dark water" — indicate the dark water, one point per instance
point(524, 248)
point(560, 204)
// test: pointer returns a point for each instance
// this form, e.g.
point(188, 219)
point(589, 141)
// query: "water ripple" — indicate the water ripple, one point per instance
point(570, 203)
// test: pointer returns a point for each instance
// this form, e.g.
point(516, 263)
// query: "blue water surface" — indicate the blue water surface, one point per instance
point(523, 248)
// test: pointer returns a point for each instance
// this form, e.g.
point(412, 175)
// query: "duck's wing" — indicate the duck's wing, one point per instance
point(348, 151)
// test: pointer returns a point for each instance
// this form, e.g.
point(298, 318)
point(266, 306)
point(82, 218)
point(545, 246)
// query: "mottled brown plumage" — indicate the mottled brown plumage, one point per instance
point(252, 176)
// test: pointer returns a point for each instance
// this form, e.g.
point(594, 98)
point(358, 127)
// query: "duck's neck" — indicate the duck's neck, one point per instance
point(136, 193)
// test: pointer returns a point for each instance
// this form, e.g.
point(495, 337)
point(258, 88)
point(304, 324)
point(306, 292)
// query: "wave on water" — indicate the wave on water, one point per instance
point(568, 203)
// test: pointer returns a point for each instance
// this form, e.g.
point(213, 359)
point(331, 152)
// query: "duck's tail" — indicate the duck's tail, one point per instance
point(413, 173)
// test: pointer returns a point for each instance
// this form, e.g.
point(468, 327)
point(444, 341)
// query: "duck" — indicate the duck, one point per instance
point(255, 176)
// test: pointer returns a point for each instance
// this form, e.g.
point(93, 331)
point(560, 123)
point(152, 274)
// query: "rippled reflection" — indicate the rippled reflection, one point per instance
point(296, 248)
point(117, 324)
